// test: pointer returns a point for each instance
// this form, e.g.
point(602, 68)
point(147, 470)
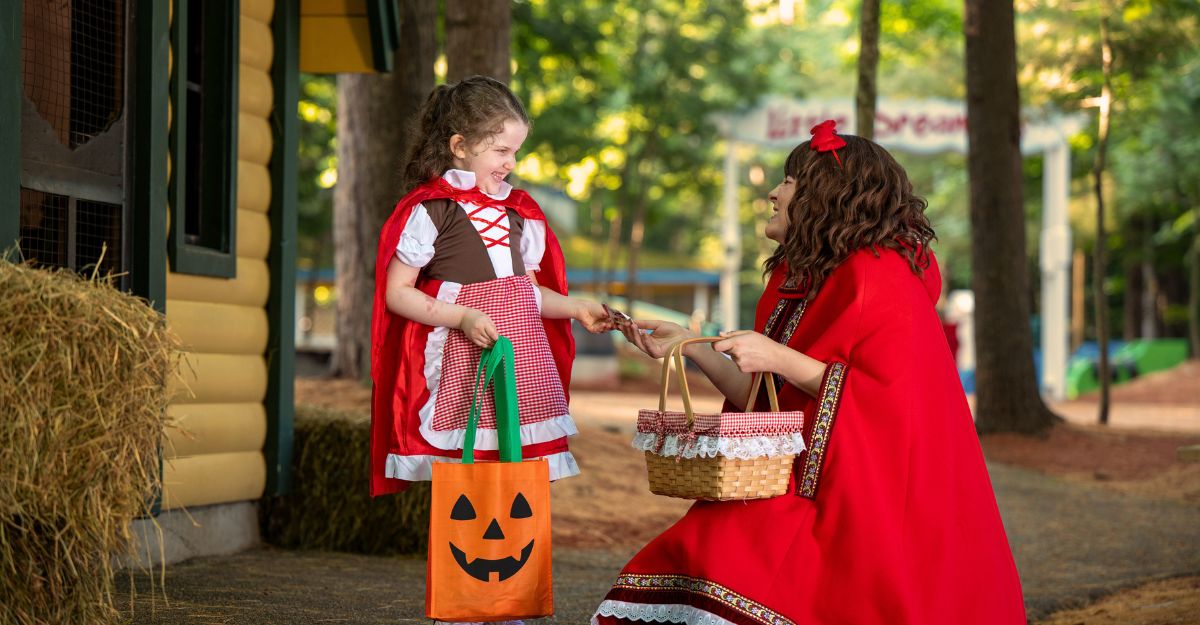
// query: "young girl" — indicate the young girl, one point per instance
point(464, 259)
point(891, 517)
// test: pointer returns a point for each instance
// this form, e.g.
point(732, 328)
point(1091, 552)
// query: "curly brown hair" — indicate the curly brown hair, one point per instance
point(475, 108)
point(866, 202)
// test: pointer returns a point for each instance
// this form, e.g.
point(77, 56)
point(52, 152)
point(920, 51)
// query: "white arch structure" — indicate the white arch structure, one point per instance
point(923, 127)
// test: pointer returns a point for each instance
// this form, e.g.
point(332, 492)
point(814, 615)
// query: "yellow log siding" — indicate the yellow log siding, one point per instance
point(213, 478)
point(215, 455)
point(215, 428)
point(259, 10)
point(257, 44)
point(254, 139)
point(253, 235)
point(249, 288)
point(220, 379)
point(256, 94)
point(219, 328)
point(254, 187)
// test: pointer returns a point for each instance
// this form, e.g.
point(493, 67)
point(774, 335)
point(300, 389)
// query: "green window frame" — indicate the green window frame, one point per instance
point(10, 134)
point(204, 138)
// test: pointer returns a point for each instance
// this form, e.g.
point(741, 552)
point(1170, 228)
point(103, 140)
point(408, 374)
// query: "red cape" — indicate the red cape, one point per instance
point(893, 518)
point(397, 345)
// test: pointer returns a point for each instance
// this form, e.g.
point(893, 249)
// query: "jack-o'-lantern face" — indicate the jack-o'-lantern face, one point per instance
point(491, 541)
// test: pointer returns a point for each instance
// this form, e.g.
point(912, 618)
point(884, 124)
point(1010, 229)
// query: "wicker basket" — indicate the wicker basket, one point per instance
point(716, 477)
point(719, 478)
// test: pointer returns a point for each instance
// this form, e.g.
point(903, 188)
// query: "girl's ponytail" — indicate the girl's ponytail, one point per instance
point(475, 108)
point(423, 131)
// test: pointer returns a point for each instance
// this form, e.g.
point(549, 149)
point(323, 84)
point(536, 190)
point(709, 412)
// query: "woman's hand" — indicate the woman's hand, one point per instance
point(663, 334)
point(479, 328)
point(751, 352)
point(593, 317)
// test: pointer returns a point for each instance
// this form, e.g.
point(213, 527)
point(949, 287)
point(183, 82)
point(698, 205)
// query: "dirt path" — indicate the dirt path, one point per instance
point(1089, 511)
point(1073, 543)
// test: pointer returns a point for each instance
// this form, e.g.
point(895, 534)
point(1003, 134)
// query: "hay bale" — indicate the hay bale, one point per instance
point(330, 507)
point(83, 371)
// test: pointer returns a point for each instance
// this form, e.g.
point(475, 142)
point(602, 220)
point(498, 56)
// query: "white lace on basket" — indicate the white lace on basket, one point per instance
point(712, 446)
point(658, 613)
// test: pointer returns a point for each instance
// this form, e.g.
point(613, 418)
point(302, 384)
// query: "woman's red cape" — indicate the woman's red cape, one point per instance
point(398, 346)
point(892, 519)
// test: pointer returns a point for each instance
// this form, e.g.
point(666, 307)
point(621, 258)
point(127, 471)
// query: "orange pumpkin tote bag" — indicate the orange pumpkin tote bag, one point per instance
point(489, 524)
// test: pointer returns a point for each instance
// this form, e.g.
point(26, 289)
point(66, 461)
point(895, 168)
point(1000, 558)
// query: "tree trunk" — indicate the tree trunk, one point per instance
point(1132, 306)
point(373, 115)
point(1151, 326)
point(612, 252)
point(597, 234)
point(1078, 309)
point(1099, 272)
point(1194, 291)
point(1007, 396)
point(868, 65)
point(637, 231)
point(478, 39)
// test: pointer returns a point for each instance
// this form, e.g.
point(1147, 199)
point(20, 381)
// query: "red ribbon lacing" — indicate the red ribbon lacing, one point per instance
point(478, 198)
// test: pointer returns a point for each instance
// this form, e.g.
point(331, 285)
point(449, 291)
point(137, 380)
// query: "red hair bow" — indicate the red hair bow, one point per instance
point(825, 139)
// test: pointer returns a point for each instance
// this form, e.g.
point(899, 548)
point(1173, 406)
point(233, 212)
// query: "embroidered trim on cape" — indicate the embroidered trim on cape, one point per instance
point(793, 322)
point(738, 603)
point(789, 328)
point(774, 317)
point(831, 395)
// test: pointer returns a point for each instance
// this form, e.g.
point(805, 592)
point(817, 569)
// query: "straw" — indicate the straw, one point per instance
point(83, 370)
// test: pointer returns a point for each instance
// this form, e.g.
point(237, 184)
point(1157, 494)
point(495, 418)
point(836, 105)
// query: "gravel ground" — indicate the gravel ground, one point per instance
point(1073, 543)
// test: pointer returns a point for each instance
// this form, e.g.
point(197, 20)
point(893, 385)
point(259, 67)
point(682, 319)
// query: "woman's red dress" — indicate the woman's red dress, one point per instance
point(891, 519)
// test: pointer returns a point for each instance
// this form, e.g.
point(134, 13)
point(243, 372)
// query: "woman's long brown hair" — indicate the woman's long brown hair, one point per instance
point(475, 108)
point(867, 202)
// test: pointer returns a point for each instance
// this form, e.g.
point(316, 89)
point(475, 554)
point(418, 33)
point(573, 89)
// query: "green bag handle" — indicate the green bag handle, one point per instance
point(496, 363)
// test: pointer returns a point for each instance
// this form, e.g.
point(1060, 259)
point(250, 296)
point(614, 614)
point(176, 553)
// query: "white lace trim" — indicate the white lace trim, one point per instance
point(420, 468)
point(485, 438)
point(657, 613)
point(447, 292)
point(712, 446)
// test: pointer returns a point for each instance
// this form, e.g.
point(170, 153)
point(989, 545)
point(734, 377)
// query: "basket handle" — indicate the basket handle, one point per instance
point(676, 352)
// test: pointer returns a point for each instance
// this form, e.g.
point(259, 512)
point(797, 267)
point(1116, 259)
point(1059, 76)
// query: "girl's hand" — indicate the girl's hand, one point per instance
point(663, 334)
point(593, 317)
point(751, 352)
point(479, 328)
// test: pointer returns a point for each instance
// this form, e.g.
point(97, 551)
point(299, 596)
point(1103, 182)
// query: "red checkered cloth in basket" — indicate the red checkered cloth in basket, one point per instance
point(511, 305)
point(722, 424)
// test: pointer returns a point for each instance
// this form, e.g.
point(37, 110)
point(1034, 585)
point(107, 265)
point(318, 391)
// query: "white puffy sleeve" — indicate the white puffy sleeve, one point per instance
point(416, 240)
point(533, 244)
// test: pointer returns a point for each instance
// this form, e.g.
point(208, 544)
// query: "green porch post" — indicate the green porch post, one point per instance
point(281, 348)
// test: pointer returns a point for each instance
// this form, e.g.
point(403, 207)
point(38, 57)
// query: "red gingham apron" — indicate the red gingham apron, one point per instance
point(512, 305)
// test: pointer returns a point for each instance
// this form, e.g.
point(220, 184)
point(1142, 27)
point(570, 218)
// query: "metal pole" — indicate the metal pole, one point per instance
point(1056, 270)
point(731, 240)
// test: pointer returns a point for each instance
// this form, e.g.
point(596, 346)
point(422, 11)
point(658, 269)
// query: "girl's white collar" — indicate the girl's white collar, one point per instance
point(462, 179)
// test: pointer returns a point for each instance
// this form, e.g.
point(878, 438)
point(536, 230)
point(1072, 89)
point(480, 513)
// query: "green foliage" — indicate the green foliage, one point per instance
point(317, 169)
point(622, 95)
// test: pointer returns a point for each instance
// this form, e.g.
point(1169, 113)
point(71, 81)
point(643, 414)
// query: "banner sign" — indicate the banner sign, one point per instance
point(921, 126)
